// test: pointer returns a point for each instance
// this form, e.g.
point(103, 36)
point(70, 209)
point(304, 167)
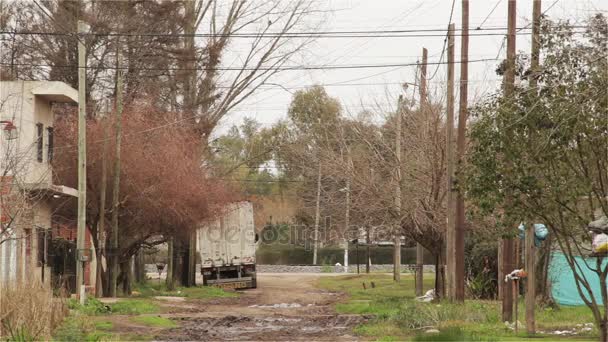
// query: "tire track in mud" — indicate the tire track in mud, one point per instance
point(285, 307)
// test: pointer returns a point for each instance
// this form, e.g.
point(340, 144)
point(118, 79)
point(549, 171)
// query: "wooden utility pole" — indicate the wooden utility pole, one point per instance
point(347, 211)
point(116, 188)
point(424, 111)
point(535, 60)
point(397, 228)
point(530, 248)
point(508, 245)
point(461, 142)
point(82, 163)
point(317, 216)
point(450, 227)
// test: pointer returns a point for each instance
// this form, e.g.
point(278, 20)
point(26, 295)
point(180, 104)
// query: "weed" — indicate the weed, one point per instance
point(21, 335)
point(29, 311)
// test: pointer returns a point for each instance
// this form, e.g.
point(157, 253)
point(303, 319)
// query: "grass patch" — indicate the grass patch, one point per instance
point(450, 334)
point(81, 328)
point(134, 307)
point(154, 321)
point(104, 325)
point(153, 289)
point(92, 306)
point(399, 317)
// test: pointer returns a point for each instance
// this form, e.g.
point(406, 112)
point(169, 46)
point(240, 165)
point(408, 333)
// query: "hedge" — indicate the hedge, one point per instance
point(274, 254)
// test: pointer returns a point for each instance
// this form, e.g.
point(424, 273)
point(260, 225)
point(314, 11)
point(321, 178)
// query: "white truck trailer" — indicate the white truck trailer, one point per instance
point(227, 248)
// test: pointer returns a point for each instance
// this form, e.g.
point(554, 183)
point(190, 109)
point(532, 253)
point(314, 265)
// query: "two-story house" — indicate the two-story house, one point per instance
point(27, 193)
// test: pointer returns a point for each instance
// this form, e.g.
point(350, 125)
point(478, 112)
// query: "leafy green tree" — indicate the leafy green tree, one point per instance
point(547, 147)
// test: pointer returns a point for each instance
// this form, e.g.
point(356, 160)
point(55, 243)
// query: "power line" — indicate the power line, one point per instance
point(445, 41)
point(286, 68)
point(488, 16)
point(286, 35)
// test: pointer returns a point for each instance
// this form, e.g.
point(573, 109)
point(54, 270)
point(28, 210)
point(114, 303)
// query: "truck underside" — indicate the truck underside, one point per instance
point(230, 277)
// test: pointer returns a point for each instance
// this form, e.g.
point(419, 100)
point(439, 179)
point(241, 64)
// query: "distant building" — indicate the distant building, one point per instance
point(27, 193)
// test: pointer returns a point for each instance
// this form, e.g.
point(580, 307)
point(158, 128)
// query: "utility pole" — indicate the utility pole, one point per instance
point(530, 249)
point(397, 228)
point(508, 245)
point(423, 109)
point(347, 212)
point(460, 142)
point(116, 189)
point(82, 164)
point(368, 256)
point(317, 216)
point(450, 257)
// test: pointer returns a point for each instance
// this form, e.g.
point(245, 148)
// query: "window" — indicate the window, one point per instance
point(39, 141)
point(49, 131)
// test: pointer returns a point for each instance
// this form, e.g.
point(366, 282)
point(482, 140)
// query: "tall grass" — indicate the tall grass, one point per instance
point(29, 311)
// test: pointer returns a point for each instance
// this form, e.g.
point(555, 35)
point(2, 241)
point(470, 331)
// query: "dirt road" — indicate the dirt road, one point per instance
point(284, 307)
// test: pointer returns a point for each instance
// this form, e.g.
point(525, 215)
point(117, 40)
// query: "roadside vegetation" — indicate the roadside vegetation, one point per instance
point(136, 318)
point(29, 312)
point(398, 316)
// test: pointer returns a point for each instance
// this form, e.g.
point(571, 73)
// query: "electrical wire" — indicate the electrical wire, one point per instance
point(287, 35)
point(488, 16)
point(286, 68)
point(445, 41)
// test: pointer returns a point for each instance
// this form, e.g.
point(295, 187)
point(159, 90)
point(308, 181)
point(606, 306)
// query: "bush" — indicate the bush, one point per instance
point(30, 312)
point(92, 306)
point(481, 286)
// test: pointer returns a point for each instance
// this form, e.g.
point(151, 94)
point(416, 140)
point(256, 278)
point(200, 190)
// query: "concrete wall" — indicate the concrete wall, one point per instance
point(26, 104)
point(19, 105)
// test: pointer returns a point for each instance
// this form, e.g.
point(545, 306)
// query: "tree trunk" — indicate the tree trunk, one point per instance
point(192, 259)
point(170, 265)
point(185, 256)
point(116, 188)
point(543, 286)
point(139, 267)
point(126, 276)
point(177, 262)
point(108, 274)
point(440, 274)
point(99, 289)
point(102, 212)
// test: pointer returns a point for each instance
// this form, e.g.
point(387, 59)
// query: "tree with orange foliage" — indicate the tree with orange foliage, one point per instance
point(164, 191)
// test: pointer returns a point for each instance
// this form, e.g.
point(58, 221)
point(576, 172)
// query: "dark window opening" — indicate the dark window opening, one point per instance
point(50, 132)
point(39, 141)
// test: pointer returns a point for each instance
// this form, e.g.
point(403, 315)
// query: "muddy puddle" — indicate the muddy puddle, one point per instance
point(276, 327)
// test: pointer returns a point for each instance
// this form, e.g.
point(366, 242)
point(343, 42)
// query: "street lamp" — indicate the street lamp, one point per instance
point(10, 129)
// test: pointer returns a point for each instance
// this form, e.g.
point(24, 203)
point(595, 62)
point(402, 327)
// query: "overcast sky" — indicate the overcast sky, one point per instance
point(358, 88)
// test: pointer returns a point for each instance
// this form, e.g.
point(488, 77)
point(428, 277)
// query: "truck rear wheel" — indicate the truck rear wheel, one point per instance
point(254, 281)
